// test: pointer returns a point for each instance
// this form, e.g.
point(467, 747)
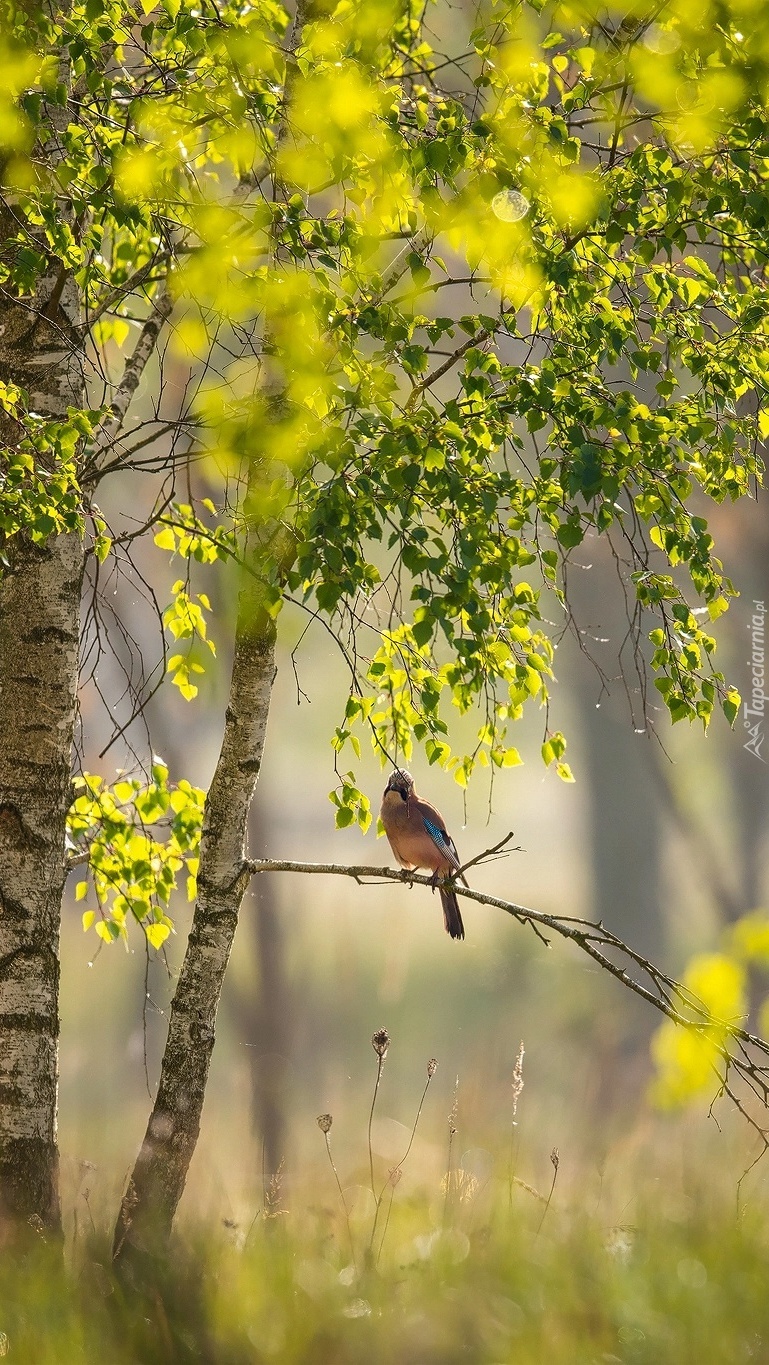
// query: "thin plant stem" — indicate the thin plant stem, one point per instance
point(431, 1069)
point(517, 1087)
point(251, 1228)
point(511, 1165)
point(387, 1221)
point(380, 1065)
point(430, 1075)
point(452, 1134)
point(554, 1159)
point(344, 1201)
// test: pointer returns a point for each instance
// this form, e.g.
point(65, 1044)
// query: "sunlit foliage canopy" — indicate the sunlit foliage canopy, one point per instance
point(454, 294)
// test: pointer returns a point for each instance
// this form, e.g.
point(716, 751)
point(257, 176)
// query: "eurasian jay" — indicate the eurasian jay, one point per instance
point(419, 838)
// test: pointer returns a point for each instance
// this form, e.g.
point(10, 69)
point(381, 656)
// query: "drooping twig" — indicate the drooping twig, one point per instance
point(733, 1045)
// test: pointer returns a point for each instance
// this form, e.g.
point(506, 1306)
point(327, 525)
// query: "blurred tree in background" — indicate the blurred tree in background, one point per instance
point(450, 300)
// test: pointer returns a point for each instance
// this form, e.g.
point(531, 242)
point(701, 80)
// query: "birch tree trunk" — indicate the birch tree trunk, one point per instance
point(41, 351)
point(160, 1173)
point(39, 636)
point(157, 1181)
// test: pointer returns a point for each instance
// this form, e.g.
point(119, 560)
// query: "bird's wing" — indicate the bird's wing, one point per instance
point(442, 840)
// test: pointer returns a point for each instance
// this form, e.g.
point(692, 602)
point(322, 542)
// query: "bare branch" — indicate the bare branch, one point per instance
point(129, 286)
point(78, 859)
point(161, 306)
point(454, 359)
point(597, 942)
point(489, 854)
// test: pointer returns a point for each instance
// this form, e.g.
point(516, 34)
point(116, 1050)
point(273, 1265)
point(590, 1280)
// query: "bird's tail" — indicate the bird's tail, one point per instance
point(451, 916)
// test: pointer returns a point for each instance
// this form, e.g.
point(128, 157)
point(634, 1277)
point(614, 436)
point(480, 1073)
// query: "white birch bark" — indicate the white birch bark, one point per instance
point(41, 350)
point(39, 636)
point(160, 1173)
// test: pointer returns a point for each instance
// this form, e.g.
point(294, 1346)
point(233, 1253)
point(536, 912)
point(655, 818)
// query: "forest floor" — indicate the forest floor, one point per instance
point(465, 1270)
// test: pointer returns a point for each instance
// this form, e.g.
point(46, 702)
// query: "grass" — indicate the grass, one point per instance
point(684, 1283)
point(651, 1259)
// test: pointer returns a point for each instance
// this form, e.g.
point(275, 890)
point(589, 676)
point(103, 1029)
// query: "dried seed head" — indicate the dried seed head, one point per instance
point(380, 1042)
point(432, 1067)
point(554, 1158)
point(324, 1122)
point(517, 1083)
point(395, 1176)
point(454, 1110)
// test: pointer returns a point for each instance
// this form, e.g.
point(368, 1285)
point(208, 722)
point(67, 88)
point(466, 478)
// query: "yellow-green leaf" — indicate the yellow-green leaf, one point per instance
point(157, 934)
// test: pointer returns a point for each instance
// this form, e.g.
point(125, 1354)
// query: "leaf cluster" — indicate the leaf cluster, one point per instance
point(452, 316)
point(141, 839)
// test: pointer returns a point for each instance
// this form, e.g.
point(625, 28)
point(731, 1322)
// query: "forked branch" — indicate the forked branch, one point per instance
point(161, 307)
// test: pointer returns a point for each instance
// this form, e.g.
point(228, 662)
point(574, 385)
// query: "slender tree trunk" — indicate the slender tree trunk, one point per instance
point(39, 635)
point(160, 1173)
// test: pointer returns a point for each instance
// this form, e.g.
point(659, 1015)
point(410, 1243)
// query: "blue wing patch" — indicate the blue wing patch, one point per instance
point(441, 840)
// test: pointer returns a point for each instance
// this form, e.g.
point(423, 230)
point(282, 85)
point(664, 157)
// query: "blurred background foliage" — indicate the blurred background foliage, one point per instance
point(659, 188)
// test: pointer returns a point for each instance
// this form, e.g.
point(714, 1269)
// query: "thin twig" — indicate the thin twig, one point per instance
point(161, 307)
point(490, 852)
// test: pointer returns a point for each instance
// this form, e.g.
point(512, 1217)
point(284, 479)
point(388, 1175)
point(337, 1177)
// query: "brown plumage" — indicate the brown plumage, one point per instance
point(419, 838)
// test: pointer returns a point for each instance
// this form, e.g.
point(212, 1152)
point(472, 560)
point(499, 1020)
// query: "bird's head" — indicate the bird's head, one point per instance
point(401, 782)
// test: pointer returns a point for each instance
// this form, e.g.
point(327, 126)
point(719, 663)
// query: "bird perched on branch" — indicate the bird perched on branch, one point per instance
point(419, 838)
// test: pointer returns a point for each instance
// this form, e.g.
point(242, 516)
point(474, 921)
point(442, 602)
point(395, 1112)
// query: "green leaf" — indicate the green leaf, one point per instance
point(570, 533)
point(157, 934)
point(731, 705)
